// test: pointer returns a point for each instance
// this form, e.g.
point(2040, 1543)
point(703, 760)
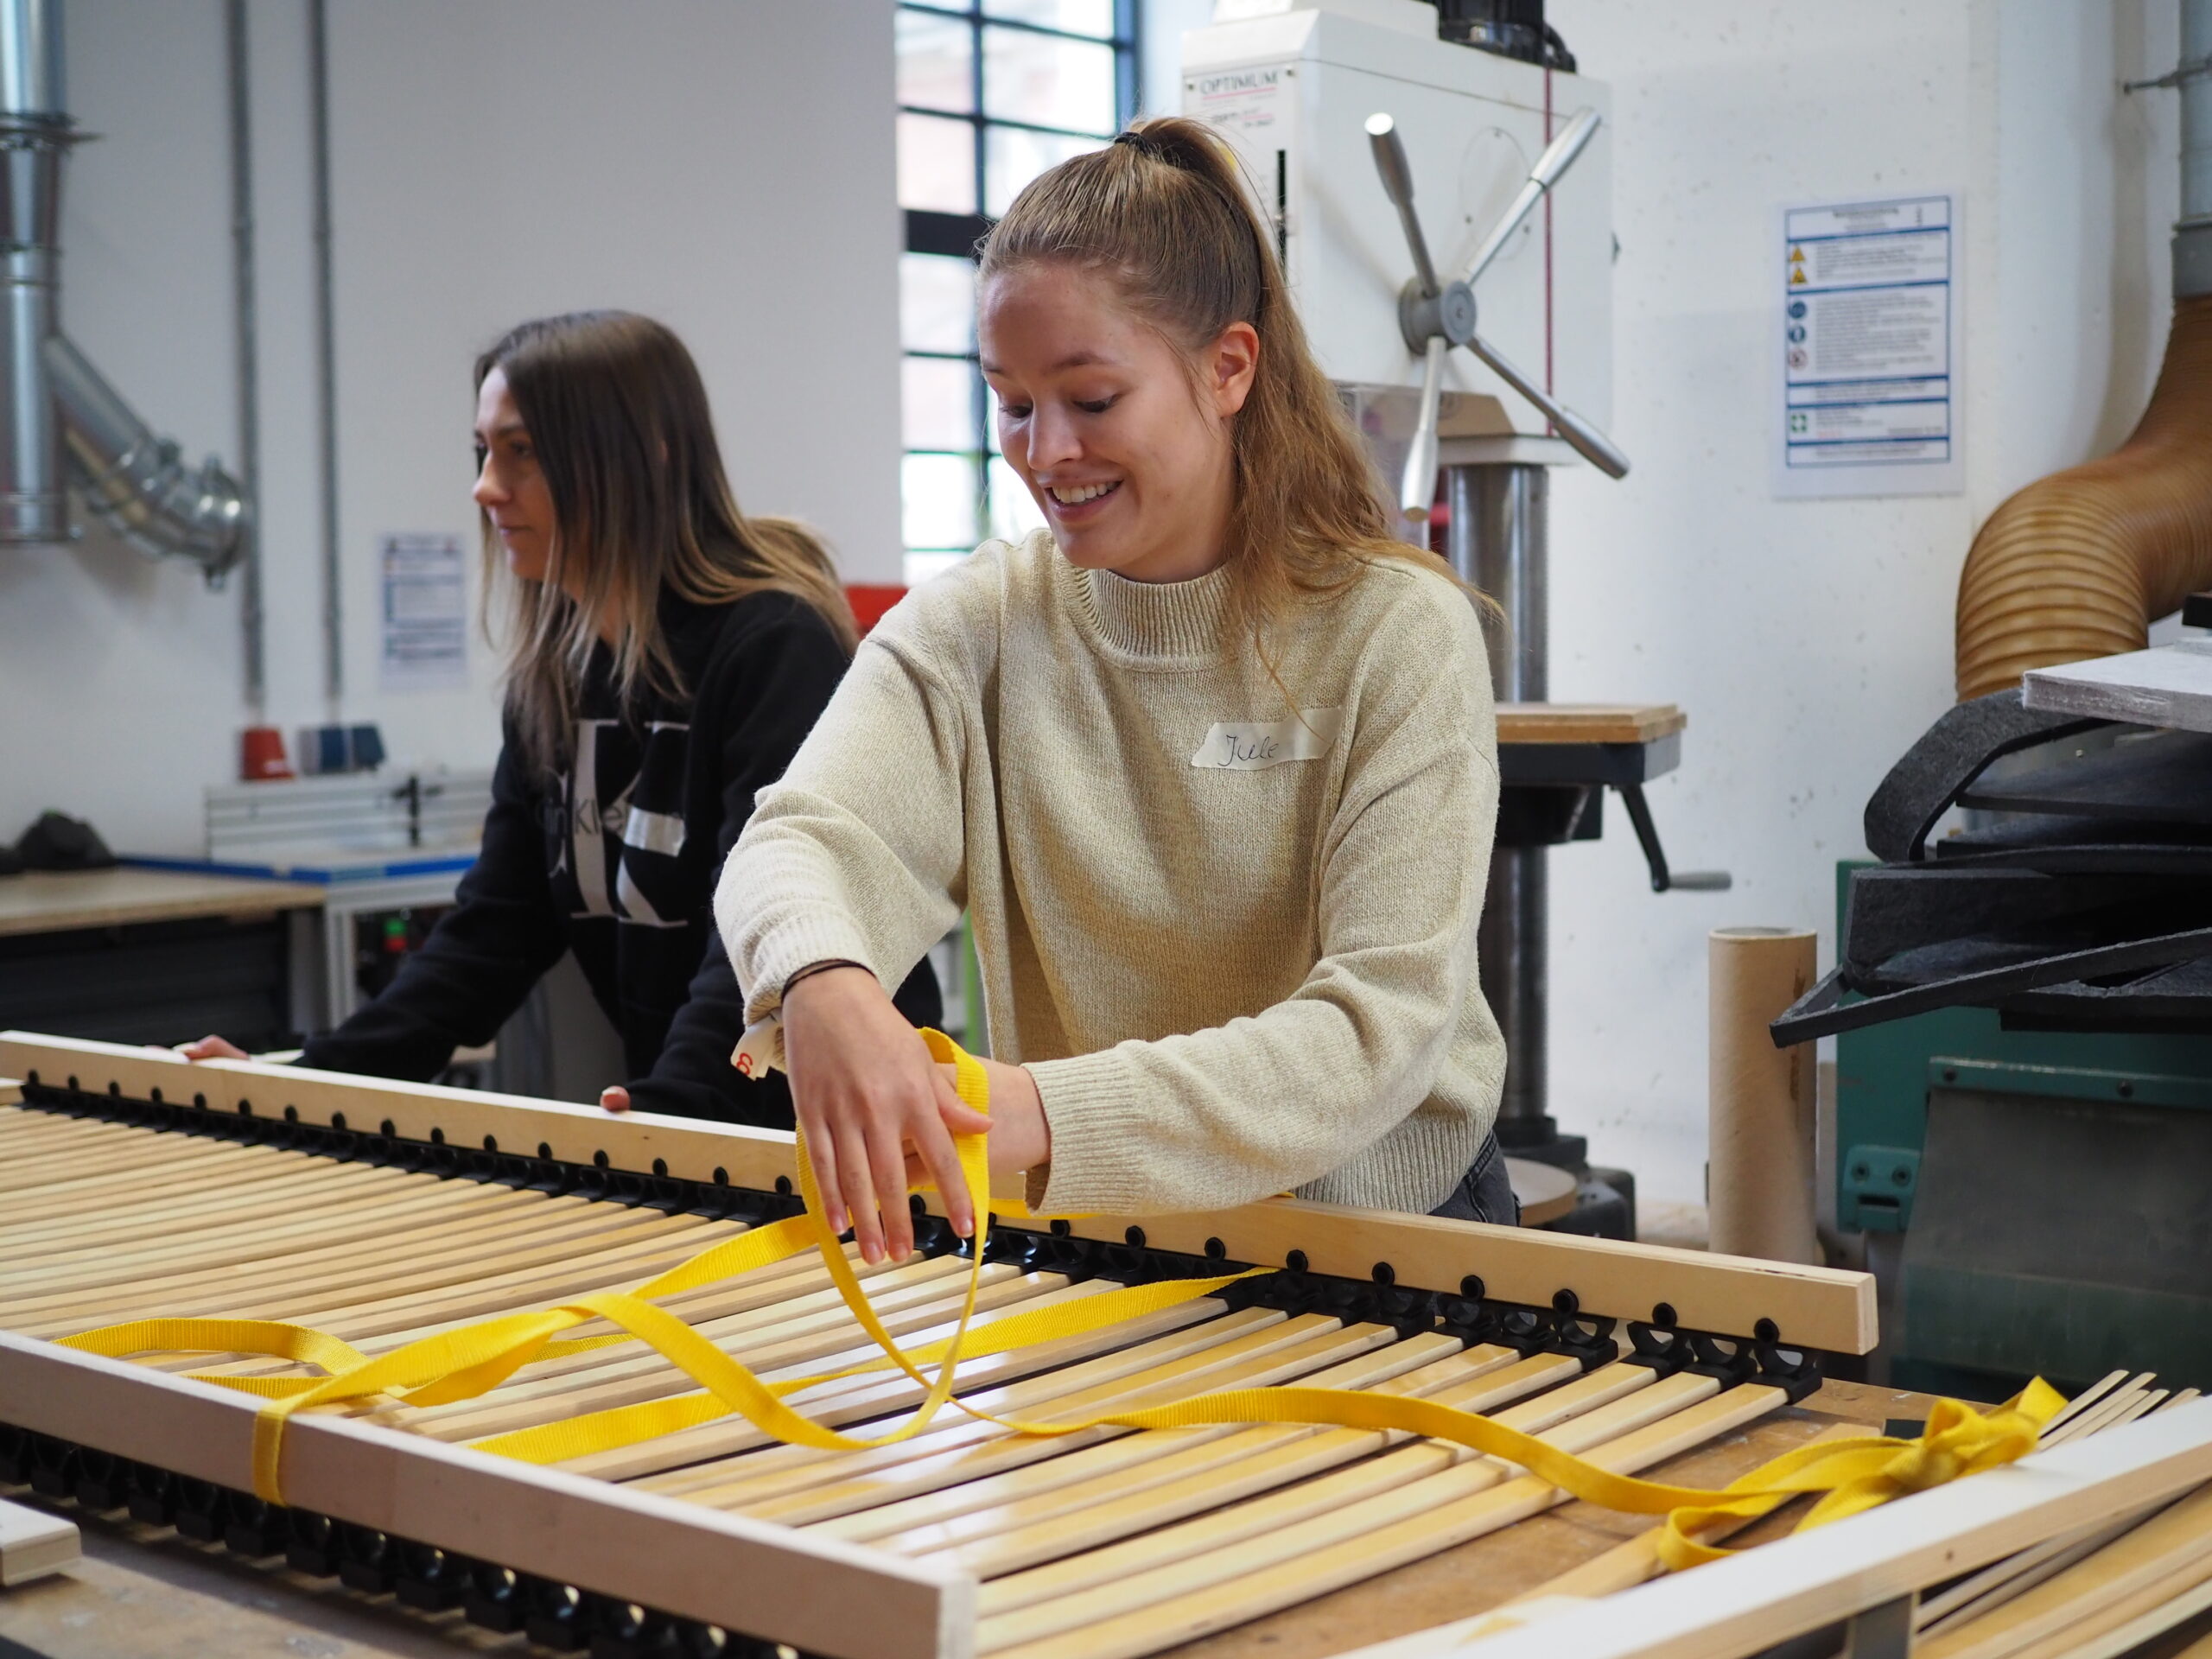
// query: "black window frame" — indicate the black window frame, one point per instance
point(956, 235)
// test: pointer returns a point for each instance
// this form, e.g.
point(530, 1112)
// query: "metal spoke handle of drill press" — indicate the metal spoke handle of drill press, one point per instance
point(1436, 315)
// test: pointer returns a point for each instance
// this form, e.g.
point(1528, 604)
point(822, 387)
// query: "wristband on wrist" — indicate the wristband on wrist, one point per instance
point(814, 968)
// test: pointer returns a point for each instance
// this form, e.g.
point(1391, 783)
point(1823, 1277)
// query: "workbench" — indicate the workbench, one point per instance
point(58, 901)
point(133, 954)
point(142, 1592)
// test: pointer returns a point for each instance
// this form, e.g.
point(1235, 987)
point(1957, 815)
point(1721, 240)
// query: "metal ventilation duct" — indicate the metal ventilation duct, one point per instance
point(2078, 563)
point(58, 413)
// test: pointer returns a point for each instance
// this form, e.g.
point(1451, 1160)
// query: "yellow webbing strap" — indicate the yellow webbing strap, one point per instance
point(465, 1362)
point(1857, 1475)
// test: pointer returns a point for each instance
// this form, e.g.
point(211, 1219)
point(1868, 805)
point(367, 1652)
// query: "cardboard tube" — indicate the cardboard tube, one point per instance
point(1760, 1179)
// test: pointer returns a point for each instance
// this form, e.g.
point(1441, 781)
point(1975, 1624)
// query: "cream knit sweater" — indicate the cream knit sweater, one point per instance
point(1235, 948)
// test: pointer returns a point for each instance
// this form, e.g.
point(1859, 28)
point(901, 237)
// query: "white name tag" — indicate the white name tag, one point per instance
point(1256, 745)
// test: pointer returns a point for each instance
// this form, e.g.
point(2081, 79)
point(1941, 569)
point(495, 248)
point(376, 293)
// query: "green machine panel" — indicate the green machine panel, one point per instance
point(2054, 1189)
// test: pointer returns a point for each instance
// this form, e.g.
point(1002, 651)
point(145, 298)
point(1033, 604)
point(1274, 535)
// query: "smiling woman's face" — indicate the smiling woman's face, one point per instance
point(1123, 440)
point(510, 487)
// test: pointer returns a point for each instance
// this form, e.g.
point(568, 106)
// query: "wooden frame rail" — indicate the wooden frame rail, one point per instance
point(814, 1593)
point(1735, 1296)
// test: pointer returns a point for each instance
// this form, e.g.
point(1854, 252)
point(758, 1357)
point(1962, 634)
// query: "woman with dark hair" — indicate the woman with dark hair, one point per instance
point(667, 656)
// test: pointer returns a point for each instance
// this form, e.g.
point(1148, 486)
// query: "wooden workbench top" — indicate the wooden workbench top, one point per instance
point(52, 901)
point(1588, 722)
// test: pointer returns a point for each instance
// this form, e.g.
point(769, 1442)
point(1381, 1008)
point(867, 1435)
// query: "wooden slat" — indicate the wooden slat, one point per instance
point(798, 1487)
point(1033, 1515)
point(952, 1484)
point(2175, 1542)
point(1982, 1592)
point(1081, 1586)
point(1814, 1307)
point(1284, 1566)
point(700, 1457)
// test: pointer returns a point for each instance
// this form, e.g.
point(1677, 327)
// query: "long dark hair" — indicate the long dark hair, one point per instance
point(619, 419)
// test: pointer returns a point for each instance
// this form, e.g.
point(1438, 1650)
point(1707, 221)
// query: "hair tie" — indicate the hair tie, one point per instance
point(1145, 144)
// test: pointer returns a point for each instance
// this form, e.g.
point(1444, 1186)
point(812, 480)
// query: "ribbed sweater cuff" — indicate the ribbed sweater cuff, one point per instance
point(799, 941)
point(1092, 1105)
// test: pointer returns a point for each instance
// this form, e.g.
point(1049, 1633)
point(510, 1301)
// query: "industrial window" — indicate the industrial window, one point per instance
point(990, 94)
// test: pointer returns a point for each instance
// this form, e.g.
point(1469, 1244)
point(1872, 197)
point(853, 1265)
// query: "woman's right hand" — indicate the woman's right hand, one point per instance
point(864, 1089)
point(213, 1048)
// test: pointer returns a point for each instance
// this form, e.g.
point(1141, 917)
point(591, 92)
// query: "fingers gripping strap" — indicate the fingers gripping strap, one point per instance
point(464, 1363)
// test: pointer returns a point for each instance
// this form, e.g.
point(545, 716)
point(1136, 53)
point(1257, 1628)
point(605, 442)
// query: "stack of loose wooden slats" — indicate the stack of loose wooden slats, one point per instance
point(2099, 1592)
point(2102, 1591)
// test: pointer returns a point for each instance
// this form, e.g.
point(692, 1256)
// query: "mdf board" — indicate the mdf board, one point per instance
point(133, 1185)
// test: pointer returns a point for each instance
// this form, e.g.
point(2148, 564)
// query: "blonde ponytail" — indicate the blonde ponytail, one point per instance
point(1162, 212)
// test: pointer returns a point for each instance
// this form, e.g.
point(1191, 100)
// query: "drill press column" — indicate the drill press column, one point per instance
point(1496, 540)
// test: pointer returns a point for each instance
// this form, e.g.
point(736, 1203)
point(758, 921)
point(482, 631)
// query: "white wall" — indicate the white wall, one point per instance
point(1811, 641)
point(724, 165)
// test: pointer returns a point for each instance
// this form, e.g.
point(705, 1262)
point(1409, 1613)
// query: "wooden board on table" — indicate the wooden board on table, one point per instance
point(32, 1545)
point(1812, 1307)
point(54, 901)
point(1588, 722)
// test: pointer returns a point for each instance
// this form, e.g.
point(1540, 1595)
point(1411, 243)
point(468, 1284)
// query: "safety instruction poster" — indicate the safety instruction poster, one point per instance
point(425, 622)
point(1868, 348)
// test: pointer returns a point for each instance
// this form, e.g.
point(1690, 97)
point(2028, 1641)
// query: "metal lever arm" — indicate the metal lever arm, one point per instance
point(1417, 489)
point(1398, 184)
point(1647, 836)
point(1558, 157)
point(1589, 443)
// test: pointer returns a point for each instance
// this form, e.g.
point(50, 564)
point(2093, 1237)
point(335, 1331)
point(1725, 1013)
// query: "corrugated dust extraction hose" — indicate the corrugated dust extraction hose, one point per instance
point(2076, 564)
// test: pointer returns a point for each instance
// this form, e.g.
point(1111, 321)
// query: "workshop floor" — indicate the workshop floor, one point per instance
point(164, 1598)
point(1681, 1225)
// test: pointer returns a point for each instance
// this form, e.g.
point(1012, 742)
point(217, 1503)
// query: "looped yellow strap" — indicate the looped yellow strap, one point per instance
point(464, 1363)
point(1858, 1475)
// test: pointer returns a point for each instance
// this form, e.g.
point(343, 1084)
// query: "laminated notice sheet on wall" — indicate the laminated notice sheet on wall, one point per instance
point(1867, 348)
point(425, 620)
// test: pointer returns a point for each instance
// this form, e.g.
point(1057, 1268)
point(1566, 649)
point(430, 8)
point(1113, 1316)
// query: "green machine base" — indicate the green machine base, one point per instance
point(2053, 1190)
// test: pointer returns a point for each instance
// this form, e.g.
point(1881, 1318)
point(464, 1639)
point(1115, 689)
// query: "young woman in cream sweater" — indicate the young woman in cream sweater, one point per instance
point(1210, 763)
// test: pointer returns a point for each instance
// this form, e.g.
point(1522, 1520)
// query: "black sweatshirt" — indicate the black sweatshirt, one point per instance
point(615, 859)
